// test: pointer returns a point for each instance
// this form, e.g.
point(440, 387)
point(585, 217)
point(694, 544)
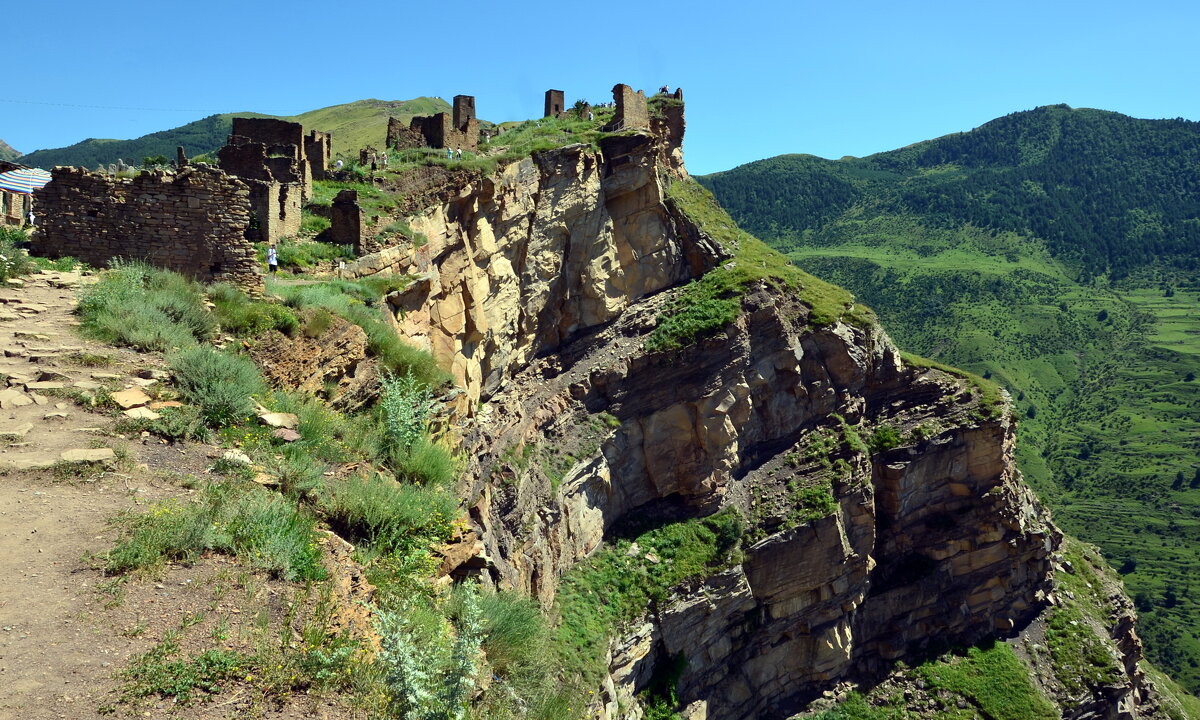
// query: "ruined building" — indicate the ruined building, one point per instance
point(631, 112)
point(555, 104)
point(459, 131)
point(278, 162)
point(193, 222)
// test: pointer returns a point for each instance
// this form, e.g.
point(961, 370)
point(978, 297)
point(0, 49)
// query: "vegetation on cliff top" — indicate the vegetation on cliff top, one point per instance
point(714, 301)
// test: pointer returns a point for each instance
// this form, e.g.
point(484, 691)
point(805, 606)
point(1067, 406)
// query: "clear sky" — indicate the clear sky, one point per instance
point(760, 78)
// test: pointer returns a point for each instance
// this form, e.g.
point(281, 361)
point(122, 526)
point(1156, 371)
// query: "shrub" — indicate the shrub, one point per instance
point(405, 408)
point(146, 308)
point(218, 383)
point(884, 438)
point(14, 260)
point(155, 673)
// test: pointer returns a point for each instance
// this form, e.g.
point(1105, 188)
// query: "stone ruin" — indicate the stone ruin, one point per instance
point(555, 104)
point(631, 110)
point(278, 162)
point(458, 131)
point(193, 222)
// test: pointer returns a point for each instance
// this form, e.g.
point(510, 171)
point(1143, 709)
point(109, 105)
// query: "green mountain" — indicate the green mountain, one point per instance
point(354, 125)
point(1055, 251)
point(7, 152)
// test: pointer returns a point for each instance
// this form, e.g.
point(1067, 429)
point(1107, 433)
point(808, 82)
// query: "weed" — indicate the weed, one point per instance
point(239, 315)
point(146, 308)
point(183, 680)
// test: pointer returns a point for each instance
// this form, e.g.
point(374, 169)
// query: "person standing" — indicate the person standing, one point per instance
point(273, 259)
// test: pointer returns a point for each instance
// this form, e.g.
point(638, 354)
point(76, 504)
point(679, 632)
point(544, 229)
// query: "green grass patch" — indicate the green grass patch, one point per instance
point(14, 260)
point(991, 678)
point(393, 517)
point(296, 254)
point(241, 316)
point(614, 586)
point(349, 300)
point(713, 302)
point(259, 527)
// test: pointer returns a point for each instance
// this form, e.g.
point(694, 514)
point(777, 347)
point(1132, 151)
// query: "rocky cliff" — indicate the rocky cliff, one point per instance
point(883, 513)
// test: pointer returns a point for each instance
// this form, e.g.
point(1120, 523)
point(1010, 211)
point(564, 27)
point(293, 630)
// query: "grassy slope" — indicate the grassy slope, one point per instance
point(7, 152)
point(1108, 418)
point(354, 125)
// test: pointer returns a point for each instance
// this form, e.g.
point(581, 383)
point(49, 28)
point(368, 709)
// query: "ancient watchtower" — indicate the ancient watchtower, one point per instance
point(459, 130)
point(464, 110)
point(555, 105)
point(631, 110)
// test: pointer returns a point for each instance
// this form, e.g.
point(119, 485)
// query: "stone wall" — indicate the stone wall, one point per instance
point(554, 103)
point(346, 220)
point(278, 162)
point(194, 222)
point(459, 131)
point(631, 109)
point(401, 136)
point(14, 208)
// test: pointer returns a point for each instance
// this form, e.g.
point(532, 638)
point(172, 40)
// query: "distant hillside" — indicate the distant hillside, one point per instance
point(7, 152)
point(1056, 252)
point(353, 125)
point(1107, 192)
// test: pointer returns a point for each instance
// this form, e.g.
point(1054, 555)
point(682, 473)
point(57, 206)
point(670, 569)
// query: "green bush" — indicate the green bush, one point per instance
point(14, 260)
point(156, 673)
point(218, 383)
point(146, 308)
point(885, 438)
point(244, 317)
point(405, 408)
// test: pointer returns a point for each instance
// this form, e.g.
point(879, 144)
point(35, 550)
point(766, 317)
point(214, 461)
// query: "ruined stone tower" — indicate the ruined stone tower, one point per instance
point(631, 108)
point(554, 103)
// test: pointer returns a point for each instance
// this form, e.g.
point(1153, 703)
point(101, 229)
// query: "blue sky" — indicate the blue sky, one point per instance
point(759, 78)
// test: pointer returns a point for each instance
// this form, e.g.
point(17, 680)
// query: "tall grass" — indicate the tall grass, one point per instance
point(394, 518)
point(146, 308)
point(259, 527)
point(14, 260)
point(239, 315)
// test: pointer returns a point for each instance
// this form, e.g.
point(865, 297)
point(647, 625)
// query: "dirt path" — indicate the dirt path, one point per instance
point(68, 631)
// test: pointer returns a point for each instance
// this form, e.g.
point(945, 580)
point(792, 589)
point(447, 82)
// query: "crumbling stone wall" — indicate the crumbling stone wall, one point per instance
point(278, 162)
point(14, 208)
point(193, 221)
point(401, 136)
point(346, 220)
point(318, 149)
point(631, 112)
point(555, 103)
point(459, 131)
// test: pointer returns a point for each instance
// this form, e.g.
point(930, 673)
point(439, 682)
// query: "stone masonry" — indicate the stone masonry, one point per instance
point(459, 131)
point(631, 112)
point(278, 162)
point(346, 220)
point(555, 104)
point(193, 222)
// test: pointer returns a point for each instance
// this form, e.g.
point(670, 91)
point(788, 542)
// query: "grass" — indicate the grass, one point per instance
point(14, 260)
point(713, 302)
point(616, 586)
point(305, 254)
point(392, 517)
point(145, 308)
point(239, 315)
point(260, 528)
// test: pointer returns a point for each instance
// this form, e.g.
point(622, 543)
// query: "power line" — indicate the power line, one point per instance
point(99, 107)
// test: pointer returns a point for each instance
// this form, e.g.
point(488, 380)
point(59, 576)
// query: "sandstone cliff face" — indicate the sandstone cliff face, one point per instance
point(539, 288)
point(522, 261)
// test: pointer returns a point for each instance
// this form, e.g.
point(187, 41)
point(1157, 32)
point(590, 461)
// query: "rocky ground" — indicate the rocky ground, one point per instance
point(68, 631)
